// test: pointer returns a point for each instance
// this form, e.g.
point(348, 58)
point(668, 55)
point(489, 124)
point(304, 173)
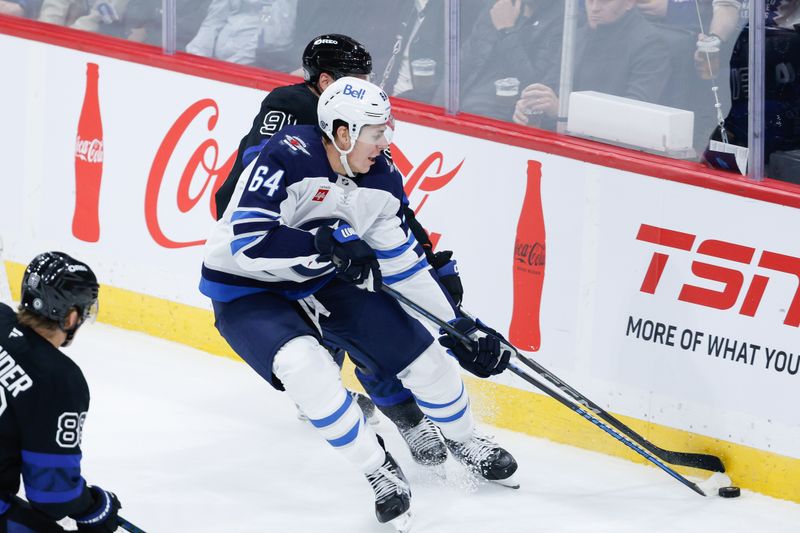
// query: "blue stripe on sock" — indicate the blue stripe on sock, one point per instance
point(450, 418)
point(429, 405)
point(328, 420)
point(347, 438)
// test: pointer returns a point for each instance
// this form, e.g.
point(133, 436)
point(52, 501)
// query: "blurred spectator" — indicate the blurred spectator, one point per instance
point(678, 13)
point(716, 41)
point(63, 12)
point(511, 39)
point(418, 37)
point(143, 18)
point(396, 32)
point(15, 8)
point(104, 17)
point(233, 29)
point(781, 86)
point(617, 52)
point(20, 8)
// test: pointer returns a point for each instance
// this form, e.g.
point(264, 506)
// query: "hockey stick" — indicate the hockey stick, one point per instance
point(702, 461)
point(121, 522)
point(547, 390)
point(127, 526)
point(627, 442)
point(695, 460)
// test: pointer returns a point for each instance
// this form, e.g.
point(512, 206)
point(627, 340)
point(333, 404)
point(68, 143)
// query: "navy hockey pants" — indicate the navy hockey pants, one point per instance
point(377, 333)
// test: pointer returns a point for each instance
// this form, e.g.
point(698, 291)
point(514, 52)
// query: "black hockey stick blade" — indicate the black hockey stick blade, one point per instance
point(591, 418)
point(127, 526)
point(695, 460)
point(702, 461)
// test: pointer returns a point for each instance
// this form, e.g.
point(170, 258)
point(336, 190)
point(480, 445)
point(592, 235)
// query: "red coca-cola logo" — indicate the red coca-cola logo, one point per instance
point(90, 150)
point(532, 254)
point(427, 177)
point(206, 166)
point(204, 161)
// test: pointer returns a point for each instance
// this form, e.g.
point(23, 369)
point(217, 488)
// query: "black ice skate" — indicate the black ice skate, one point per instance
point(392, 495)
point(425, 442)
point(367, 407)
point(486, 459)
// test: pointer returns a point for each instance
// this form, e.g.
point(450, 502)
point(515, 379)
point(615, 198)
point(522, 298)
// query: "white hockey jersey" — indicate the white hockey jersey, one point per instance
point(265, 238)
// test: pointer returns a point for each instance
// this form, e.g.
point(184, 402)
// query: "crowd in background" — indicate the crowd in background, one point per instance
point(668, 52)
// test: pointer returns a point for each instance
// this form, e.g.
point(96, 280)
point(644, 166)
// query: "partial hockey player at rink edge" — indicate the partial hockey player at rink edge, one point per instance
point(45, 401)
point(325, 59)
point(313, 229)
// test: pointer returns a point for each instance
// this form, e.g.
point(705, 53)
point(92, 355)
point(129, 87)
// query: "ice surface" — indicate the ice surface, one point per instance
point(196, 443)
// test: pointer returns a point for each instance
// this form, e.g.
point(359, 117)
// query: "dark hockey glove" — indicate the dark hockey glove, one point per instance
point(102, 515)
point(488, 354)
point(447, 270)
point(354, 260)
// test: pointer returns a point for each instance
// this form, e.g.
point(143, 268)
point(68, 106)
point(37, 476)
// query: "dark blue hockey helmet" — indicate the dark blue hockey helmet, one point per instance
point(55, 283)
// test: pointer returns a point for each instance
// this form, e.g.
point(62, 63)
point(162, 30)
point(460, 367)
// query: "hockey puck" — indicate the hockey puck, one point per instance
point(729, 492)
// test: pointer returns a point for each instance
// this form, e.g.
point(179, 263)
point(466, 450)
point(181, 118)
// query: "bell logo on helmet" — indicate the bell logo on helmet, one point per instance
point(355, 93)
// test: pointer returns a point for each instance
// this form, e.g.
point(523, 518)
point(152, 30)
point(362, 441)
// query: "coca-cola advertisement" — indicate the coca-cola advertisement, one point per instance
point(529, 265)
point(88, 162)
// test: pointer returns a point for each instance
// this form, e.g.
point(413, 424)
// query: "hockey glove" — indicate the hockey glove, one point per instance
point(447, 270)
point(102, 515)
point(354, 260)
point(487, 356)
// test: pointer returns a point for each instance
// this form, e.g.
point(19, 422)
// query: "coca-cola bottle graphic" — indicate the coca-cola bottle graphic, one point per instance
point(529, 262)
point(88, 162)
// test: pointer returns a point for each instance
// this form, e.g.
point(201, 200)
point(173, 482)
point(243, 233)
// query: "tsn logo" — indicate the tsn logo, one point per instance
point(732, 279)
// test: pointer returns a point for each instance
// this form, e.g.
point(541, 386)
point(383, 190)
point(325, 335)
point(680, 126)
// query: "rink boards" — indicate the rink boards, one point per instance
point(674, 305)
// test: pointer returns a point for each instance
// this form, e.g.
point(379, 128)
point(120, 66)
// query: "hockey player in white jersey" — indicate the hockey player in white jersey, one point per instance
point(313, 229)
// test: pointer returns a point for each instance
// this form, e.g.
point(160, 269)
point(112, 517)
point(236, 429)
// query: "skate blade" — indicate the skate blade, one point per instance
point(510, 482)
point(402, 523)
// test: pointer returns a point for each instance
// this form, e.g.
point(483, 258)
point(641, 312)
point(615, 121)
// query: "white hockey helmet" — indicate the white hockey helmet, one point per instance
point(358, 103)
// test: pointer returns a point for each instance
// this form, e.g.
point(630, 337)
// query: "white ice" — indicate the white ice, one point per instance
point(196, 443)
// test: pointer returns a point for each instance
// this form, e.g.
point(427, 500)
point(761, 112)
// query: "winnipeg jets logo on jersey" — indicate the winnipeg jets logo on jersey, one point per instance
point(296, 144)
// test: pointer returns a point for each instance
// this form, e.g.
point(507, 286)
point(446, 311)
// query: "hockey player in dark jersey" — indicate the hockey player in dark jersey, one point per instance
point(315, 226)
point(325, 59)
point(43, 403)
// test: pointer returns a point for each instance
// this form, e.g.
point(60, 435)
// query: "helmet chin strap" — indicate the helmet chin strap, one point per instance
point(343, 157)
point(346, 165)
